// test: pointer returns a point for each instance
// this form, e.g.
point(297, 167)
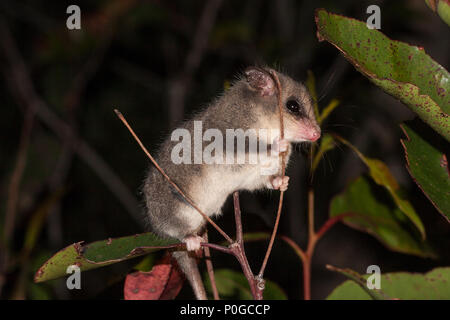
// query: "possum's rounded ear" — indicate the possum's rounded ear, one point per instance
point(260, 80)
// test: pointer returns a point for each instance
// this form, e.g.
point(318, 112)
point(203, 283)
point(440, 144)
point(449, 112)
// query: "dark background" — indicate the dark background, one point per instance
point(63, 151)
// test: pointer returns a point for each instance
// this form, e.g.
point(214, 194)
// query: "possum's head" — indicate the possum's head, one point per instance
point(298, 115)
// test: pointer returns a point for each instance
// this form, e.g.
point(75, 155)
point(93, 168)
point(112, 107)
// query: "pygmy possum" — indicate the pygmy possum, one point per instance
point(250, 103)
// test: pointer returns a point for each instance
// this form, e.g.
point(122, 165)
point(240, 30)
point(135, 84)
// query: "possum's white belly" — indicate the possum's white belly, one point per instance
point(212, 190)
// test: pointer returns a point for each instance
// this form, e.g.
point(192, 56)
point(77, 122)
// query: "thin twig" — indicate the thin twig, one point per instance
point(299, 251)
point(237, 218)
point(311, 231)
point(331, 222)
point(122, 118)
point(283, 169)
point(210, 268)
point(217, 247)
point(313, 238)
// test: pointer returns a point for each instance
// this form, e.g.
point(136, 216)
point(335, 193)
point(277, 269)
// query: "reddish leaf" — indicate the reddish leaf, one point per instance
point(163, 282)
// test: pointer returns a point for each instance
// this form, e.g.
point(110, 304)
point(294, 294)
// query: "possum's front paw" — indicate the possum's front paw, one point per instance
point(193, 242)
point(279, 146)
point(280, 183)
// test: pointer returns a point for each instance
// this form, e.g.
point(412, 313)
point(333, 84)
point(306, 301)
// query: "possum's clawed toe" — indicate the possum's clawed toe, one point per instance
point(193, 242)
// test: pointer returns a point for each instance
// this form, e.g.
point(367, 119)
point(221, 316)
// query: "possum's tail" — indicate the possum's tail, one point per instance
point(189, 267)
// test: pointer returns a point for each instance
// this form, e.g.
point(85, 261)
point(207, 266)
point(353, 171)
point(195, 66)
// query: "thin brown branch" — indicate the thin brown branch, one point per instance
point(210, 268)
point(173, 184)
point(283, 169)
point(312, 240)
point(217, 247)
point(256, 283)
point(307, 278)
point(331, 222)
point(311, 231)
point(237, 218)
point(299, 251)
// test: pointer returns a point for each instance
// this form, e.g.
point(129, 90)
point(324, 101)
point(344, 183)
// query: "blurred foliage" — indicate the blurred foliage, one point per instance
point(381, 175)
point(382, 221)
point(441, 7)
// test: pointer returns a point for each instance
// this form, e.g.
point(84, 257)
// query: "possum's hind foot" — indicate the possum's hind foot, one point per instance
point(193, 242)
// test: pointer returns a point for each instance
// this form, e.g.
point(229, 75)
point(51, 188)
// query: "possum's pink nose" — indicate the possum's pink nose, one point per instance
point(315, 135)
point(308, 131)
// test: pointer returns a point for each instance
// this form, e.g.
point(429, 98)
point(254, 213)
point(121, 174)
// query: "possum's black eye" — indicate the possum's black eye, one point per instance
point(293, 106)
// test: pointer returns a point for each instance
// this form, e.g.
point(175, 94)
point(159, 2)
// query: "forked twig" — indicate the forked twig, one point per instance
point(256, 283)
point(122, 118)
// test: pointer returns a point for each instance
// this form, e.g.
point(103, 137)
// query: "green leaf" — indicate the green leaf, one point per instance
point(101, 253)
point(384, 223)
point(429, 168)
point(406, 72)
point(441, 7)
point(326, 144)
point(381, 174)
point(433, 285)
point(376, 294)
point(334, 103)
point(232, 284)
